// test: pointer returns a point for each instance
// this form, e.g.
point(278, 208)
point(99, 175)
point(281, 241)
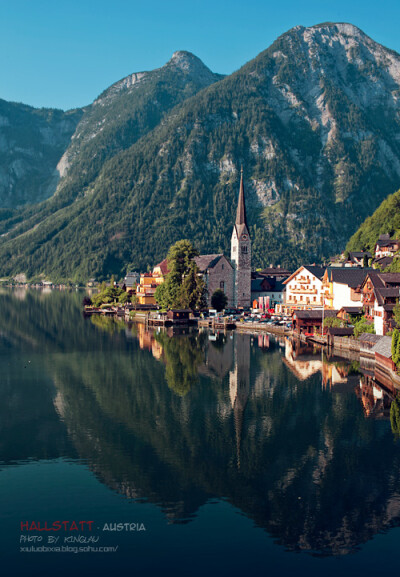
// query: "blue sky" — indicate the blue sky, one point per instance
point(64, 54)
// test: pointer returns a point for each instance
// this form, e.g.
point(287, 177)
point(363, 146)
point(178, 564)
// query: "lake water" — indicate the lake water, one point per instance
point(215, 455)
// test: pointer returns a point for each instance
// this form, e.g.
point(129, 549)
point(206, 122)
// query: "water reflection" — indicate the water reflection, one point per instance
point(179, 419)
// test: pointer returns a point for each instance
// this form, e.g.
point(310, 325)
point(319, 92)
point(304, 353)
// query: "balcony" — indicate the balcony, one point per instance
point(304, 290)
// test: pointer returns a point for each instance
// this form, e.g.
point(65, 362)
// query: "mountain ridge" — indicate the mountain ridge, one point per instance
point(314, 119)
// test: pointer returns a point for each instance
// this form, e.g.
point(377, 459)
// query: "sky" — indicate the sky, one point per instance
point(64, 54)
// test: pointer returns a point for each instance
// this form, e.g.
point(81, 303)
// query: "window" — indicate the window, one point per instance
point(244, 249)
point(222, 285)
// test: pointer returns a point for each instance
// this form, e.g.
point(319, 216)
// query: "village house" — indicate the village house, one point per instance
point(357, 258)
point(310, 321)
point(217, 272)
point(149, 282)
point(380, 293)
point(277, 272)
point(386, 246)
point(349, 313)
point(266, 292)
point(342, 287)
point(131, 280)
point(304, 288)
point(382, 262)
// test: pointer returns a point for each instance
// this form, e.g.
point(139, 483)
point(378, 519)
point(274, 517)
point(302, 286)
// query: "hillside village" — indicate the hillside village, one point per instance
point(350, 288)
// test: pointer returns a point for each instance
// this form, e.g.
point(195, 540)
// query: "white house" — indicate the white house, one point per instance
point(304, 287)
point(342, 287)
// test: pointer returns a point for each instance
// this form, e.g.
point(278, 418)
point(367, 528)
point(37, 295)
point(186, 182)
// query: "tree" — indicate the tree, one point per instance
point(107, 296)
point(219, 300)
point(363, 326)
point(192, 292)
point(333, 322)
point(123, 298)
point(397, 354)
point(365, 260)
point(396, 313)
point(183, 286)
point(395, 341)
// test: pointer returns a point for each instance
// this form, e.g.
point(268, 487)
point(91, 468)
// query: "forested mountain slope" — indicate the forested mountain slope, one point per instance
point(314, 120)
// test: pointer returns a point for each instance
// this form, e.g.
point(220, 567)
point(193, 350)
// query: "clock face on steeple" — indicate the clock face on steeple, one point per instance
point(244, 237)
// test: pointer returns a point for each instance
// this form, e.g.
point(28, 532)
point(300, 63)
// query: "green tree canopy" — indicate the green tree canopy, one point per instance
point(363, 326)
point(333, 322)
point(219, 300)
point(183, 287)
point(395, 341)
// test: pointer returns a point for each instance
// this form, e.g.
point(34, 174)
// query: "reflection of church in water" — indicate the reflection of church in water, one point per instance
point(239, 385)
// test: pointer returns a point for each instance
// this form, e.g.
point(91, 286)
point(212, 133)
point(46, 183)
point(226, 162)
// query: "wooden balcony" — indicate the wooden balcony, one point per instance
point(304, 290)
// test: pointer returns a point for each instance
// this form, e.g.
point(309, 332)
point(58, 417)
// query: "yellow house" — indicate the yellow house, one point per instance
point(149, 281)
point(327, 290)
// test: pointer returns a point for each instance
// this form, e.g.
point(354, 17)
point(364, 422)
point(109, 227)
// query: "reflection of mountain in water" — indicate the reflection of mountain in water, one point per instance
point(295, 456)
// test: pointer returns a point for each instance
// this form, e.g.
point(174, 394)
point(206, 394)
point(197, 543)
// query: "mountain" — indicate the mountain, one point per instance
point(314, 120)
point(386, 219)
point(31, 144)
point(124, 113)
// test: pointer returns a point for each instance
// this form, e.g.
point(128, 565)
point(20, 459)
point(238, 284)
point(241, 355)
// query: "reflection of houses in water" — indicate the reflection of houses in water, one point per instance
point(145, 337)
point(239, 385)
point(336, 375)
point(375, 397)
point(301, 360)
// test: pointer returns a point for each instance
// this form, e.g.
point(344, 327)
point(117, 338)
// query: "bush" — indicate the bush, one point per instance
point(219, 300)
point(333, 322)
point(363, 326)
point(395, 342)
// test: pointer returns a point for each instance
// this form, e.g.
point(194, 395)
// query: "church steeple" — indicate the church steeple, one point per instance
point(241, 209)
point(241, 252)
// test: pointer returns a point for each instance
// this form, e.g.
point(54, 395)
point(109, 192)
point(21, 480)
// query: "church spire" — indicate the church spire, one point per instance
point(241, 209)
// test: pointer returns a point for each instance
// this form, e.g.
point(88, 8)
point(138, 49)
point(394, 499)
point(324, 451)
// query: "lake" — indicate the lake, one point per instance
point(130, 452)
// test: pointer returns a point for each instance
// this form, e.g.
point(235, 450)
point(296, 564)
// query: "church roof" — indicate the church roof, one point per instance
point(241, 220)
point(206, 261)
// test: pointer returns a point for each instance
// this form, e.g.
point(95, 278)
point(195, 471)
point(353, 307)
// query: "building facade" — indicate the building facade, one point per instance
point(386, 246)
point(380, 294)
point(149, 282)
point(304, 288)
point(217, 272)
point(342, 287)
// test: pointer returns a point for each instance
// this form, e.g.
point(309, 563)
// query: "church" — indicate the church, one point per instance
point(234, 276)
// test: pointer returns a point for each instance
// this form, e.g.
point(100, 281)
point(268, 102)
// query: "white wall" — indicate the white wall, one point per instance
point(342, 297)
point(378, 321)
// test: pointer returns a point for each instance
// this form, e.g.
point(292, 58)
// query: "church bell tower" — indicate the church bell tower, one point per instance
point(241, 253)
